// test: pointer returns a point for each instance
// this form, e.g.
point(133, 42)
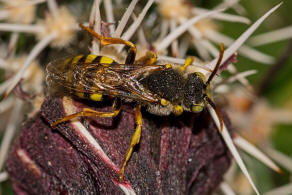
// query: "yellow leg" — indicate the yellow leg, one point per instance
point(110, 40)
point(149, 59)
point(188, 61)
point(178, 110)
point(90, 113)
point(134, 141)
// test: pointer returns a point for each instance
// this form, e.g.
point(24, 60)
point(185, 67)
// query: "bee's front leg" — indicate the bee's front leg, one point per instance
point(188, 62)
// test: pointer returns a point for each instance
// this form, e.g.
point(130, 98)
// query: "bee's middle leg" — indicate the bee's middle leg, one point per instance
point(134, 141)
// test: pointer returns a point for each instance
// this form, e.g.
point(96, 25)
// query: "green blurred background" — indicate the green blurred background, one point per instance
point(278, 91)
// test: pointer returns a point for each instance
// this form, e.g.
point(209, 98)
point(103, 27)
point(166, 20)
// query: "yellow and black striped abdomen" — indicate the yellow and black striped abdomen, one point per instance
point(77, 74)
point(82, 76)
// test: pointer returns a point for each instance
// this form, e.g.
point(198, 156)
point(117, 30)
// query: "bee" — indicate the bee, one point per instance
point(162, 89)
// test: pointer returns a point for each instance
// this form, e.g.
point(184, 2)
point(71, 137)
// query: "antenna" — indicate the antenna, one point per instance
point(211, 103)
point(207, 98)
point(217, 65)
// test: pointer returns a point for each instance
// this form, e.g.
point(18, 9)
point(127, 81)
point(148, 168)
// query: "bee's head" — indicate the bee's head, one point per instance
point(195, 91)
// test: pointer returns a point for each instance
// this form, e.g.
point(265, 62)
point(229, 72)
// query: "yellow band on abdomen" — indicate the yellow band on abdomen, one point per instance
point(96, 97)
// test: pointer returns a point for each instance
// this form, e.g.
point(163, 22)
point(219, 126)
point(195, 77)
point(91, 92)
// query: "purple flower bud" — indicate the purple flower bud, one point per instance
point(176, 155)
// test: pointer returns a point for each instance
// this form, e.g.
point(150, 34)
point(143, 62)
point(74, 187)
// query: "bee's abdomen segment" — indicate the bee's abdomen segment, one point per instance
point(96, 96)
point(80, 76)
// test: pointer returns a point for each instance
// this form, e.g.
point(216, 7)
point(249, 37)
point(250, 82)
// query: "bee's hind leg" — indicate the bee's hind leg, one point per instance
point(90, 113)
point(111, 40)
point(134, 141)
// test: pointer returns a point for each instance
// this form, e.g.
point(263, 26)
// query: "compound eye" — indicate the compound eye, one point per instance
point(197, 108)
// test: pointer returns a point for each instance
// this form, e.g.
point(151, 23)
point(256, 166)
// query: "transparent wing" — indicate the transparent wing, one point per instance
point(121, 79)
